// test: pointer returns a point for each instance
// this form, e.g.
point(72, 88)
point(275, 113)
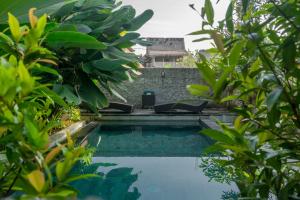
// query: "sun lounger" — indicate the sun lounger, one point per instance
point(173, 107)
point(121, 107)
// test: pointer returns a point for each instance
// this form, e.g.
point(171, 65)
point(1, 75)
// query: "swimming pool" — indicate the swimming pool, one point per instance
point(149, 161)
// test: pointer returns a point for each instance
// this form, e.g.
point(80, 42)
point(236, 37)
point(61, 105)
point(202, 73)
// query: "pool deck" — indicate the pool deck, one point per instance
point(208, 116)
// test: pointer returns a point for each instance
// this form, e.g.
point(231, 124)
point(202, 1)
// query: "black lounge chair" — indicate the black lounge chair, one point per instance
point(172, 107)
point(121, 107)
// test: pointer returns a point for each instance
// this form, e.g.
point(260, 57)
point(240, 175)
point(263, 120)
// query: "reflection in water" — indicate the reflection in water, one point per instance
point(113, 185)
point(213, 168)
point(152, 162)
point(230, 195)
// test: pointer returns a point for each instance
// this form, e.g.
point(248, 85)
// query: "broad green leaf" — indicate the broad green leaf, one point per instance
point(201, 32)
point(83, 28)
point(105, 65)
point(40, 26)
point(36, 138)
point(245, 4)
point(273, 115)
point(222, 83)
point(273, 97)
point(237, 122)
point(63, 167)
point(27, 82)
point(64, 10)
point(60, 170)
point(5, 39)
point(198, 90)
point(140, 20)
point(118, 21)
point(37, 179)
point(289, 54)
point(209, 11)
point(49, 70)
point(70, 39)
point(126, 38)
point(70, 142)
point(20, 8)
point(218, 136)
point(91, 94)
point(260, 98)
point(67, 92)
point(264, 136)
point(207, 73)
point(51, 95)
point(14, 27)
point(66, 27)
point(229, 98)
point(7, 81)
point(80, 177)
point(218, 40)
point(255, 68)
point(235, 53)
point(97, 3)
point(142, 42)
point(115, 53)
point(273, 36)
point(242, 112)
point(201, 39)
point(229, 18)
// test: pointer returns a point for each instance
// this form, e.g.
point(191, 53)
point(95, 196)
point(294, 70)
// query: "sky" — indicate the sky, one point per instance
point(174, 18)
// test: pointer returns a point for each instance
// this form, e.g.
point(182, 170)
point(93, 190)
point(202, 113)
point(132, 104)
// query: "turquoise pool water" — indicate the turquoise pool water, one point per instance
point(149, 161)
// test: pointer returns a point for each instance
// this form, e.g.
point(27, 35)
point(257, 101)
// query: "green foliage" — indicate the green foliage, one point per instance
point(71, 39)
point(92, 40)
point(90, 43)
point(256, 62)
point(20, 8)
point(26, 117)
point(209, 12)
point(216, 170)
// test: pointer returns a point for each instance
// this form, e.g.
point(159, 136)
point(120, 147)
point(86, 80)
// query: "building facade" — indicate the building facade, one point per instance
point(164, 52)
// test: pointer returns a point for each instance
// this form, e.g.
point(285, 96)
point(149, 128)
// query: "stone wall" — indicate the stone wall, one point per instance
point(169, 85)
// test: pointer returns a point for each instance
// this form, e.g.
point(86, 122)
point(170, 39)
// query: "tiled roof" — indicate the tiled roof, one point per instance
point(166, 44)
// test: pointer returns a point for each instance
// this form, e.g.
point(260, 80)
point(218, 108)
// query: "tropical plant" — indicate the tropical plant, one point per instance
point(258, 57)
point(93, 40)
point(20, 8)
point(27, 163)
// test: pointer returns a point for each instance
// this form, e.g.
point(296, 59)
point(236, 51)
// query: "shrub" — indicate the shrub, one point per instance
point(27, 163)
point(258, 60)
point(93, 40)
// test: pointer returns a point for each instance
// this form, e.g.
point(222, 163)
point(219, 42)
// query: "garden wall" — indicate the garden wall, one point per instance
point(169, 85)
